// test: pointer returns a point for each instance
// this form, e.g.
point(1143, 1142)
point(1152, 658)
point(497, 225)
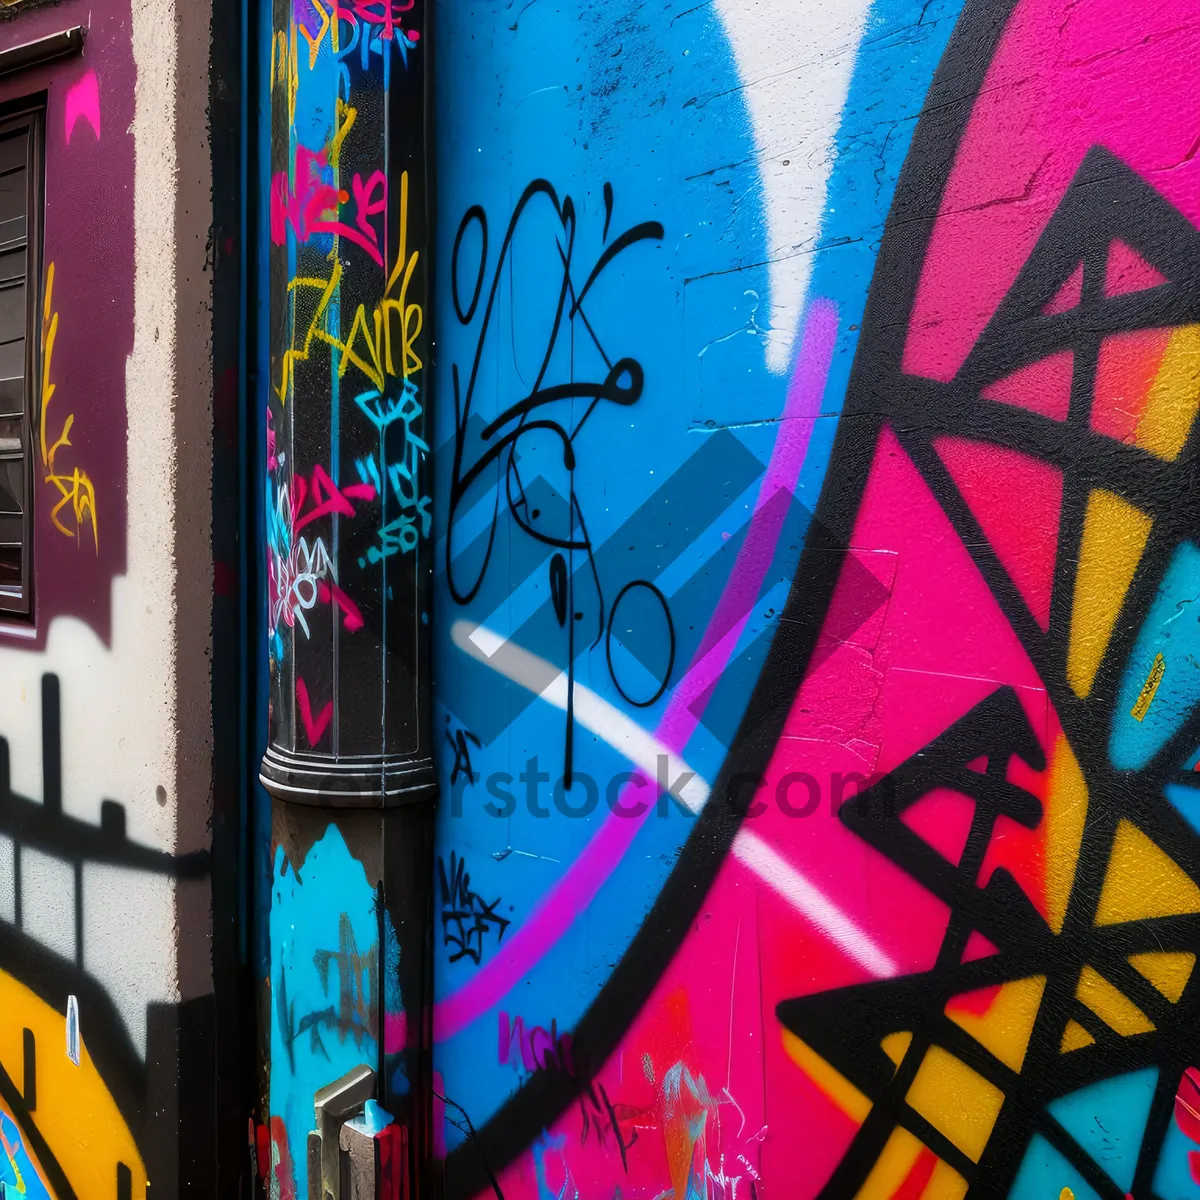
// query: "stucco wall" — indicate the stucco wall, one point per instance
point(123, 608)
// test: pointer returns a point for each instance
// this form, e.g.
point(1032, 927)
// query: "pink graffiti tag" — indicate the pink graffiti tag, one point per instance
point(534, 1047)
point(314, 727)
point(312, 205)
point(385, 13)
point(326, 496)
point(330, 593)
point(82, 104)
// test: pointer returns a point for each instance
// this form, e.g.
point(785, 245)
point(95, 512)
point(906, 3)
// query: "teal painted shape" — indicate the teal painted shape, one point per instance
point(1187, 801)
point(1173, 1178)
point(373, 1120)
point(1171, 629)
point(324, 995)
point(1044, 1173)
point(16, 1164)
point(1108, 1119)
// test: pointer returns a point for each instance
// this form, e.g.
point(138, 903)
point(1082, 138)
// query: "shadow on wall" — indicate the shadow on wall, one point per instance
point(77, 1098)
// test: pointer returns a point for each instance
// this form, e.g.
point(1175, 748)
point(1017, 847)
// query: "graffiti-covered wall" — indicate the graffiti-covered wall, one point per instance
point(348, 545)
point(105, 735)
point(815, 639)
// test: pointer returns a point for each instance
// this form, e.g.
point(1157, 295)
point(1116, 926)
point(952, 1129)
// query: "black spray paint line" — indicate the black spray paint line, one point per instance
point(622, 385)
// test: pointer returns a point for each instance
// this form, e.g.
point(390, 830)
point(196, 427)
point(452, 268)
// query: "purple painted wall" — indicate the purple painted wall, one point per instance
point(88, 239)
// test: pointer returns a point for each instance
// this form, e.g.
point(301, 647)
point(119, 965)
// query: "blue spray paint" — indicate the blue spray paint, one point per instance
point(527, 102)
point(324, 982)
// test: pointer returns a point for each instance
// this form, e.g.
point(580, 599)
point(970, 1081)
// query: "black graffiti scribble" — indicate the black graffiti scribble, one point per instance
point(357, 986)
point(355, 1014)
point(599, 1114)
point(670, 630)
point(463, 1124)
point(499, 441)
point(650, 640)
point(466, 917)
point(462, 754)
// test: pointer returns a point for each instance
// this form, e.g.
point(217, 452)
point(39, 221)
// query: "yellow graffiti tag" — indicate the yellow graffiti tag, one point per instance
point(376, 333)
point(369, 343)
point(411, 316)
point(314, 43)
point(373, 370)
point(326, 287)
point(346, 115)
point(285, 68)
point(329, 25)
point(74, 488)
point(1149, 688)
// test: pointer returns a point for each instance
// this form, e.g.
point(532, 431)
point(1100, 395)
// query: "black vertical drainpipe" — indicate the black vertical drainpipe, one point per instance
point(349, 545)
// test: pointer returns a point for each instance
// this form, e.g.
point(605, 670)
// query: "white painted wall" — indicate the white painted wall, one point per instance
point(119, 705)
point(795, 61)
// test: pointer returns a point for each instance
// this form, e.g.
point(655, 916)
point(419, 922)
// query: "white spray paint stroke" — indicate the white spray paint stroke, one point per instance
point(73, 1029)
point(8, 880)
point(643, 750)
point(593, 712)
point(775, 871)
point(795, 61)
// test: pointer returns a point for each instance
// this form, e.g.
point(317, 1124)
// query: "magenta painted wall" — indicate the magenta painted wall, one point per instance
point(88, 238)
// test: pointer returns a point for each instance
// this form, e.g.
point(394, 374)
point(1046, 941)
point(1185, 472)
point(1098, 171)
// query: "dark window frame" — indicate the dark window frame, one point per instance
point(28, 117)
